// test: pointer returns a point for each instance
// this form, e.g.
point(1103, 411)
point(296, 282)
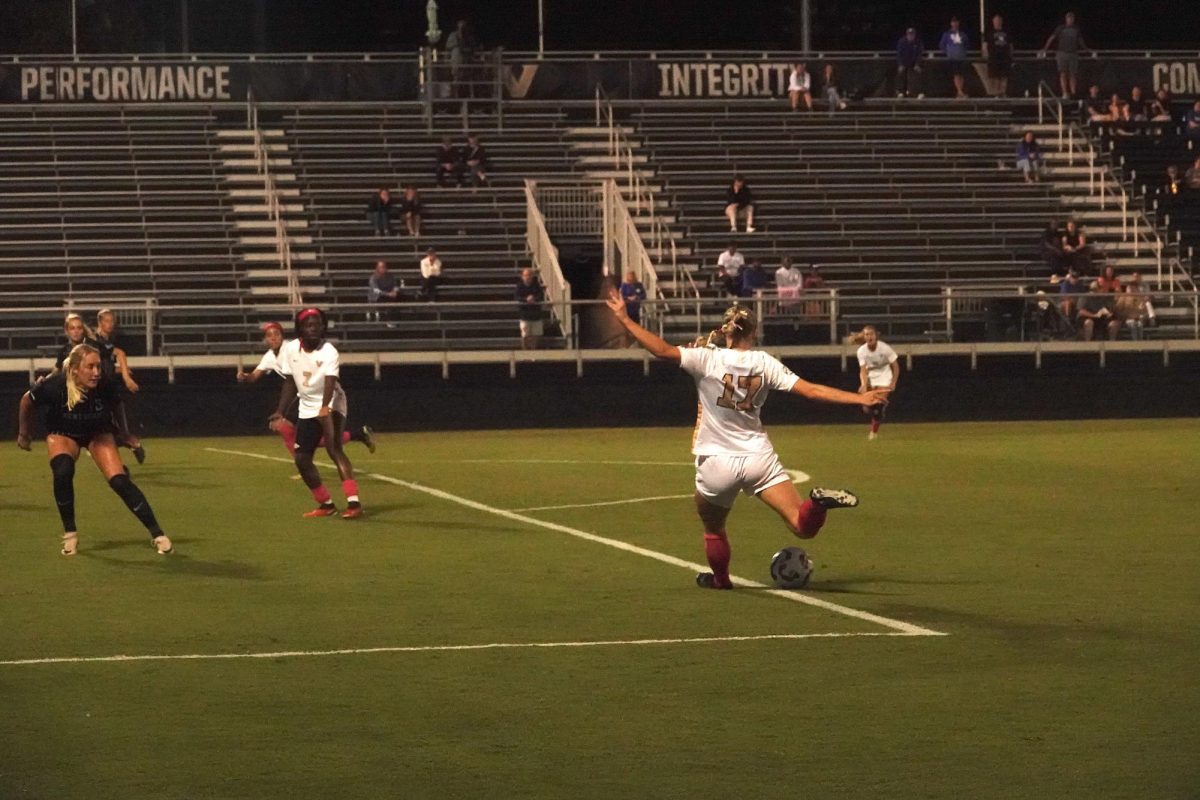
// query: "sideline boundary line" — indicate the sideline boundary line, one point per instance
point(794, 596)
point(439, 648)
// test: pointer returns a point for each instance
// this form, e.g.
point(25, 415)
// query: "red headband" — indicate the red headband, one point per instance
point(266, 326)
point(306, 313)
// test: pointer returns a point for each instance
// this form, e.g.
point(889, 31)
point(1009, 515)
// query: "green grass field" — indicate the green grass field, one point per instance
point(1062, 561)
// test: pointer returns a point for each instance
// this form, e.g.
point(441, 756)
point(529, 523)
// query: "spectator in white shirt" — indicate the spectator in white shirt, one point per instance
point(729, 267)
point(431, 275)
point(788, 279)
point(800, 87)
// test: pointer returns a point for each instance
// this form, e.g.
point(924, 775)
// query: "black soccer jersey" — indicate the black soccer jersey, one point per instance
point(103, 346)
point(92, 415)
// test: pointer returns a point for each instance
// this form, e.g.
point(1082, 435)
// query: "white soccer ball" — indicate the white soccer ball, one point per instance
point(791, 568)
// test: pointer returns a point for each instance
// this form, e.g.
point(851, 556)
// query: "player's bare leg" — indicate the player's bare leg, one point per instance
point(804, 517)
point(312, 479)
point(104, 452)
point(64, 451)
point(716, 544)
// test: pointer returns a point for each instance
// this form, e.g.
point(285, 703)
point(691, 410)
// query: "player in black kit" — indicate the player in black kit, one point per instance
point(80, 405)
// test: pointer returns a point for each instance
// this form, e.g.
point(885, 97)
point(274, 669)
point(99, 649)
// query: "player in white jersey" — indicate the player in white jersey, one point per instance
point(286, 427)
point(733, 452)
point(878, 368)
point(312, 365)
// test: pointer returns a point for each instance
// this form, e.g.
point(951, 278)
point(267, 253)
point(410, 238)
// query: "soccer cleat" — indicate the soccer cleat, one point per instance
point(327, 510)
point(368, 438)
point(353, 511)
point(70, 544)
point(706, 580)
point(833, 498)
point(139, 453)
point(162, 545)
point(872, 436)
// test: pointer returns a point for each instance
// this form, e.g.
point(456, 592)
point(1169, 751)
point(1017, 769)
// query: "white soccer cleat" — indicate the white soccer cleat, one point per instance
point(872, 436)
point(70, 544)
point(163, 545)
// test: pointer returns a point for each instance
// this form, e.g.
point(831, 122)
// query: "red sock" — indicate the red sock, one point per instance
point(350, 489)
point(287, 432)
point(321, 495)
point(810, 519)
point(716, 549)
point(345, 437)
point(875, 425)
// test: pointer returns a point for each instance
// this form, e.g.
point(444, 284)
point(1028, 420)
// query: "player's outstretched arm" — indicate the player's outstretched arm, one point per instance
point(25, 422)
point(658, 347)
point(828, 394)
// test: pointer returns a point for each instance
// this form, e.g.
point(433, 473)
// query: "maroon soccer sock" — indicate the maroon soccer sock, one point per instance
point(875, 426)
point(288, 432)
point(716, 549)
point(810, 519)
point(350, 489)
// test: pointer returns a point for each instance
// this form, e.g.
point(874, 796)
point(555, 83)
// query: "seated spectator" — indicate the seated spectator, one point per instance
point(1191, 123)
point(738, 200)
point(1077, 254)
point(1135, 307)
point(813, 282)
point(379, 212)
point(729, 267)
point(431, 275)
point(754, 279)
point(832, 95)
point(1096, 310)
point(634, 294)
point(1048, 319)
point(530, 296)
point(909, 52)
point(411, 208)
point(1095, 105)
point(1171, 188)
point(1052, 252)
point(1108, 281)
point(800, 87)
point(788, 280)
point(1191, 178)
point(1160, 106)
point(1068, 287)
point(449, 163)
point(1137, 108)
point(1029, 158)
point(476, 159)
point(954, 44)
point(1118, 114)
point(381, 288)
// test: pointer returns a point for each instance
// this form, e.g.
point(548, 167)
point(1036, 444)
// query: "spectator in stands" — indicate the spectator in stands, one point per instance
point(1077, 253)
point(1137, 108)
point(1096, 106)
point(1052, 252)
point(381, 288)
point(1029, 158)
point(1172, 187)
point(461, 45)
point(1134, 308)
point(449, 163)
point(739, 200)
point(530, 296)
point(411, 208)
point(1118, 114)
point(634, 294)
point(800, 87)
point(1068, 288)
point(1191, 178)
point(813, 282)
point(954, 44)
point(729, 268)
point(1191, 123)
point(379, 212)
point(1160, 106)
point(1068, 41)
point(1108, 281)
point(1096, 310)
point(476, 160)
point(832, 95)
point(909, 51)
point(754, 279)
point(788, 280)
point(997, 47)
point(431, 275)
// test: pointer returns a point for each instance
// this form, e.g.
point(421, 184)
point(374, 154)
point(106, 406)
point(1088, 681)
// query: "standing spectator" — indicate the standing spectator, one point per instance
point(530, 296)
point(739, 199)
point(788, 281)
point(1191, 178)
point(379, 212)
point(449, 163)
point(729, 268)
point(411, 208)
point(634, 294)
point(832, 95)
point(813, 282)
point(1096, 106)
point(1052, 252)
point(997, 46)
point(1191, 123)
point(1076, 251)
point(431, 275)
point(754, 279)
point(909, 51)
point(381, 287)
point(1068, 41)
point(954, 44)
point(477, 161)
point(1029, 158)
point(1096, 310)
point(1160, 106)
point(461, 46)
point(800, 87)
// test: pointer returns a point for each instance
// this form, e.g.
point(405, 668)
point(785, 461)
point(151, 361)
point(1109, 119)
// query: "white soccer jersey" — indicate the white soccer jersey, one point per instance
point(270, 362)
point(732, 386)
point(309, 370)
point(878, 363)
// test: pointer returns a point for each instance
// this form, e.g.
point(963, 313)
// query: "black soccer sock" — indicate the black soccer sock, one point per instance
point(136, 501)
point(63, 467)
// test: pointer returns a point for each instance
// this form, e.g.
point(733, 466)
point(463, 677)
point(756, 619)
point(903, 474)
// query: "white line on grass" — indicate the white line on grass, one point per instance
point(539, 461)
point(436, 648)
point(887, 622)
point(796, 475)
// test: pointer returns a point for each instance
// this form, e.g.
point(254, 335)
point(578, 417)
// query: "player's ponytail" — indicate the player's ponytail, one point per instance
point(75, 394)
point(739, 322)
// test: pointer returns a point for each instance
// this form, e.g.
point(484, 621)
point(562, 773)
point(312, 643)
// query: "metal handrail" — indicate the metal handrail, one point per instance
point(545, 260)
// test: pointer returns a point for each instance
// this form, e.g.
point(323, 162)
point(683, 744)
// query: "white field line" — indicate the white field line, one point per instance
point(541, 461)
point(796, 475)
point(797, 597)
point(437, 648)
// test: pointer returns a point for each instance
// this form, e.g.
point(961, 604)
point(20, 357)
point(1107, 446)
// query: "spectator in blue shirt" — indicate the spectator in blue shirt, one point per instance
point(1029, 158)
point(634, 294)
point(754, 279)
point(1191, 123)
point(954, 44)
point(908, 64)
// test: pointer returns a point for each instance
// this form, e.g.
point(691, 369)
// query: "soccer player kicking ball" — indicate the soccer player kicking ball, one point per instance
point(312, 365)
point(733, 453)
